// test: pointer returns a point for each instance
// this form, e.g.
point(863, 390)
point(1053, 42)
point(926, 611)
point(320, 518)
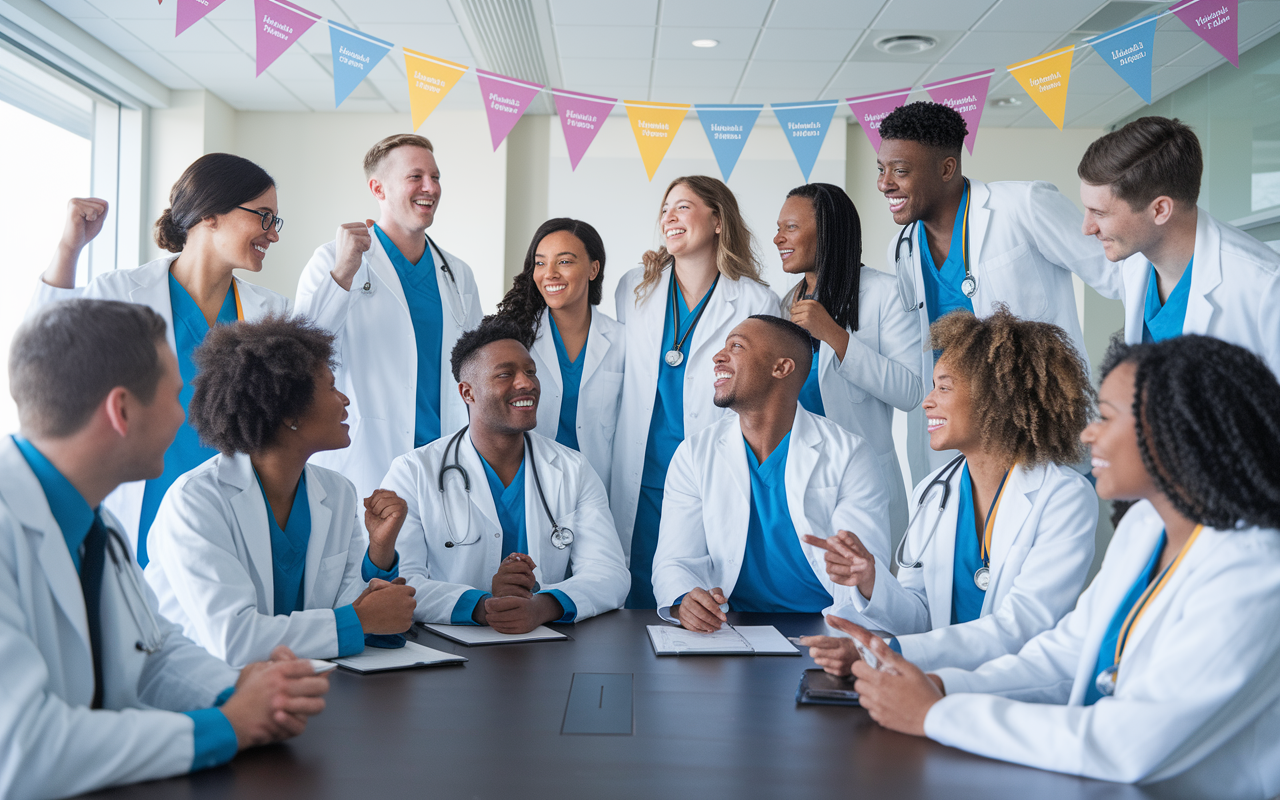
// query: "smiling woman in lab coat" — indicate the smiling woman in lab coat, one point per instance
point(222, 216)
point(256, 548)
point(1167, 667)
point(1003, 537)
point(678, 308)
point(579, 350)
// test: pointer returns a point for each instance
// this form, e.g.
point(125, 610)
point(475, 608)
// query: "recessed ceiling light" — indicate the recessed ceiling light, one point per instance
point(705, 42)
point(907, 45)
point(1004, 102)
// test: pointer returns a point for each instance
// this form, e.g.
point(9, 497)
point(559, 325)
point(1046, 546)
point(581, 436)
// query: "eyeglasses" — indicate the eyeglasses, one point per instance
point(268, 219)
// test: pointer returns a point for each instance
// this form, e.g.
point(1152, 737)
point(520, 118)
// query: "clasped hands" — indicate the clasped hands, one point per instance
point(516, 606)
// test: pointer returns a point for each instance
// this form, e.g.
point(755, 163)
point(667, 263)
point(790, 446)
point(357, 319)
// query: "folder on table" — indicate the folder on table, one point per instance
point(378, 659)
point(743, 640)
point(472, 635)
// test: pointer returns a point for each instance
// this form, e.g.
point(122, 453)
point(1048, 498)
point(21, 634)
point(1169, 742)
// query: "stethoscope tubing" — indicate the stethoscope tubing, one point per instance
point(942, 479)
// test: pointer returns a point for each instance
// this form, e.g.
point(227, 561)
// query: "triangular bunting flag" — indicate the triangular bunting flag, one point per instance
point(655, 126)
point(505, 101)
point(430, 79)
point(355, 54)
point(1217, 22)
point(967, 95)
point(1127, 50)
point(279, 24)
point(727, 129)
point(581, 116)
point(1045, 78)
point(192, 11)
point(870, 109)
point(805, 125)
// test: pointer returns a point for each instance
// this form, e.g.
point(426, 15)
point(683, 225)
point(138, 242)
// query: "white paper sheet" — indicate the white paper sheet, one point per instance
point(377, 659)
point(482, 634)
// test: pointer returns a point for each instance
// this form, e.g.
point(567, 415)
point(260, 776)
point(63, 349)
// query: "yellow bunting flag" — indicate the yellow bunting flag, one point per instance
point(430, 79)
point(1045, 79)
point(655, 126)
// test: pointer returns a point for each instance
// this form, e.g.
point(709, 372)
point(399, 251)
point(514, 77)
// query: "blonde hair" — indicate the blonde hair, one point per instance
point(383, 148)
point(734, 256)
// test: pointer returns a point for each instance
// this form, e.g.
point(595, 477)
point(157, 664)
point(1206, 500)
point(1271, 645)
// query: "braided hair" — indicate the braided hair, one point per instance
point(838, 256)
point(1207, 415)
point(524, 304)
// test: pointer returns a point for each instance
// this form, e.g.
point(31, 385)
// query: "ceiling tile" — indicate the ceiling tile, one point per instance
point(1166, 79)
point(685, 72)
point(862, 77)
point(677, 42)
point(999, 49)
point(162, 69)
point(823, 14)
point(620, 92)
point(692, 94)
point(355, 105)
point(113, 35)
point(427, 12)
point(203, 37)
point(75, 9)
point(592, 41)
point(867, 51)
point(1057, 17)
point(810, 45)
point(129, 9)
point(1257, 15)
point(621, 71)
point(956, 15)
point(802, 79)
point(593, 12)
point(715, 15)
point(1201, 56)
point(444, 41)
point(295, 64)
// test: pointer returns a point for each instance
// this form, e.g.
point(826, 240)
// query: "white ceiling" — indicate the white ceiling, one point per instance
point(769, 51)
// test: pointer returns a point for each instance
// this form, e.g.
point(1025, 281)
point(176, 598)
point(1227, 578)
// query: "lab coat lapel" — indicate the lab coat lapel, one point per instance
point(379, 263)
point(250, 510)
point(731, 490)
point(252, 303)
point(1135, 274)
point(151, 289)
point(802, 458)
point(939, 563)
point(544, 347)
point(451, 299)
point(318, 502)
point(25, 498)
point(537, 527)
point(979, 216)
point(1206, 274)
point(719, 310)
point(481, 497)
point(1011, 518)
point(598, 343)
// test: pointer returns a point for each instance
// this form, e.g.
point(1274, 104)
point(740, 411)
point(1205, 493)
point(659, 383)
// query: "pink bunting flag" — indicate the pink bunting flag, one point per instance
point(967, 95)
point(279, 24)
point(192, 11)
point(505, 101)
point(870, 109)
point(581, 116)
point(1215, 21)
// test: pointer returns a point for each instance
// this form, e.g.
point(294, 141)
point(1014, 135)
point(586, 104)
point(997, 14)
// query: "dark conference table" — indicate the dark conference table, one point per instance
point(704, 726)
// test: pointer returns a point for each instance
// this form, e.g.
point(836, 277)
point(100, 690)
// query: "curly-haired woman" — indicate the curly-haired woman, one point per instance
point(1167, 666)
point(257, 548)
point(578, 349)
point(1003, 536)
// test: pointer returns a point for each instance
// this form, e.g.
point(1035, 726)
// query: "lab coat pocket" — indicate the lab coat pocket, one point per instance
point(606, 391)
point(554, 567)
point(1016, 280)
point(328, 579)
point(819, 508)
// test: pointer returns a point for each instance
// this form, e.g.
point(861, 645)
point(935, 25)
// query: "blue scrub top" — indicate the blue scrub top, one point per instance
point(811, 392)
point(1107, 651)
point(942, 292)
point(186, 452)
point(966, 597)
point(289, 549)
point(775, 576)
point(666, 432)
point(1164, 321)
point(571, 382)
point(509, 501)
point(422, 294)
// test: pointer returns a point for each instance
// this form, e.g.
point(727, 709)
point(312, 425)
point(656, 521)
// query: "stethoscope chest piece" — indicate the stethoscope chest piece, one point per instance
point(367, 289)
point(982, 578)
point(969, 286)
point(561, 537)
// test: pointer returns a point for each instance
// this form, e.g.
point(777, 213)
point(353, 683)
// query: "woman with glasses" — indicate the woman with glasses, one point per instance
point(221, 217)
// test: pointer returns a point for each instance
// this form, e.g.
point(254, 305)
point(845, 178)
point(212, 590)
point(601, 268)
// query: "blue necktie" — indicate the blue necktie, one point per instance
point(91, 567)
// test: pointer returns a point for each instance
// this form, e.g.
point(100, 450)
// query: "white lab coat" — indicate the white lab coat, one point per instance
point(378, 354)
point(599, 580)
point(880, 372)
point(833, 482)
point(1235, 290)
point(599, 394)
point(1196, 696)
point(1041, 550)
point(1025, 240)
point(732, 302)
point(211, 562)
point(51, 743)
point(148, 285)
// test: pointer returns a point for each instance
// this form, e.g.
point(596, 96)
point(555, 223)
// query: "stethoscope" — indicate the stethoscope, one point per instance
point(907, 278)
point(368, 288)
point(560, 537)
point(943, 479)
point(153, 638)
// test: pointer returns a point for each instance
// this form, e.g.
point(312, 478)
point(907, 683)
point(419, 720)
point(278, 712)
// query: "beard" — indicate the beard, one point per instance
point(728, 400)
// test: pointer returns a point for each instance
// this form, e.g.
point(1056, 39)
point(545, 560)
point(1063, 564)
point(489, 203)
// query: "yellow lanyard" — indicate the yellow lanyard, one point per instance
point(239, 308)
point(991, 519)
point(1154, 589)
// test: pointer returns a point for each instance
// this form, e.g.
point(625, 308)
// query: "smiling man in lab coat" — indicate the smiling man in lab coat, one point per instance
point(396, 303)
point(741, 495)
point(99, 689)
point(1183, 271)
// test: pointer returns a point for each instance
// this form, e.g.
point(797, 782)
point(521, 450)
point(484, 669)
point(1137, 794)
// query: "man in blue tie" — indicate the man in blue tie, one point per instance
point(1182, 271)
point(742, 494)
point(81, 639)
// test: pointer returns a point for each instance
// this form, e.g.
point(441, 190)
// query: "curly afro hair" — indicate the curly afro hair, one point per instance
point(931, 124)
point(1207, 415)
point(493, 328)
point(1029, 387)
point(252, 377)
